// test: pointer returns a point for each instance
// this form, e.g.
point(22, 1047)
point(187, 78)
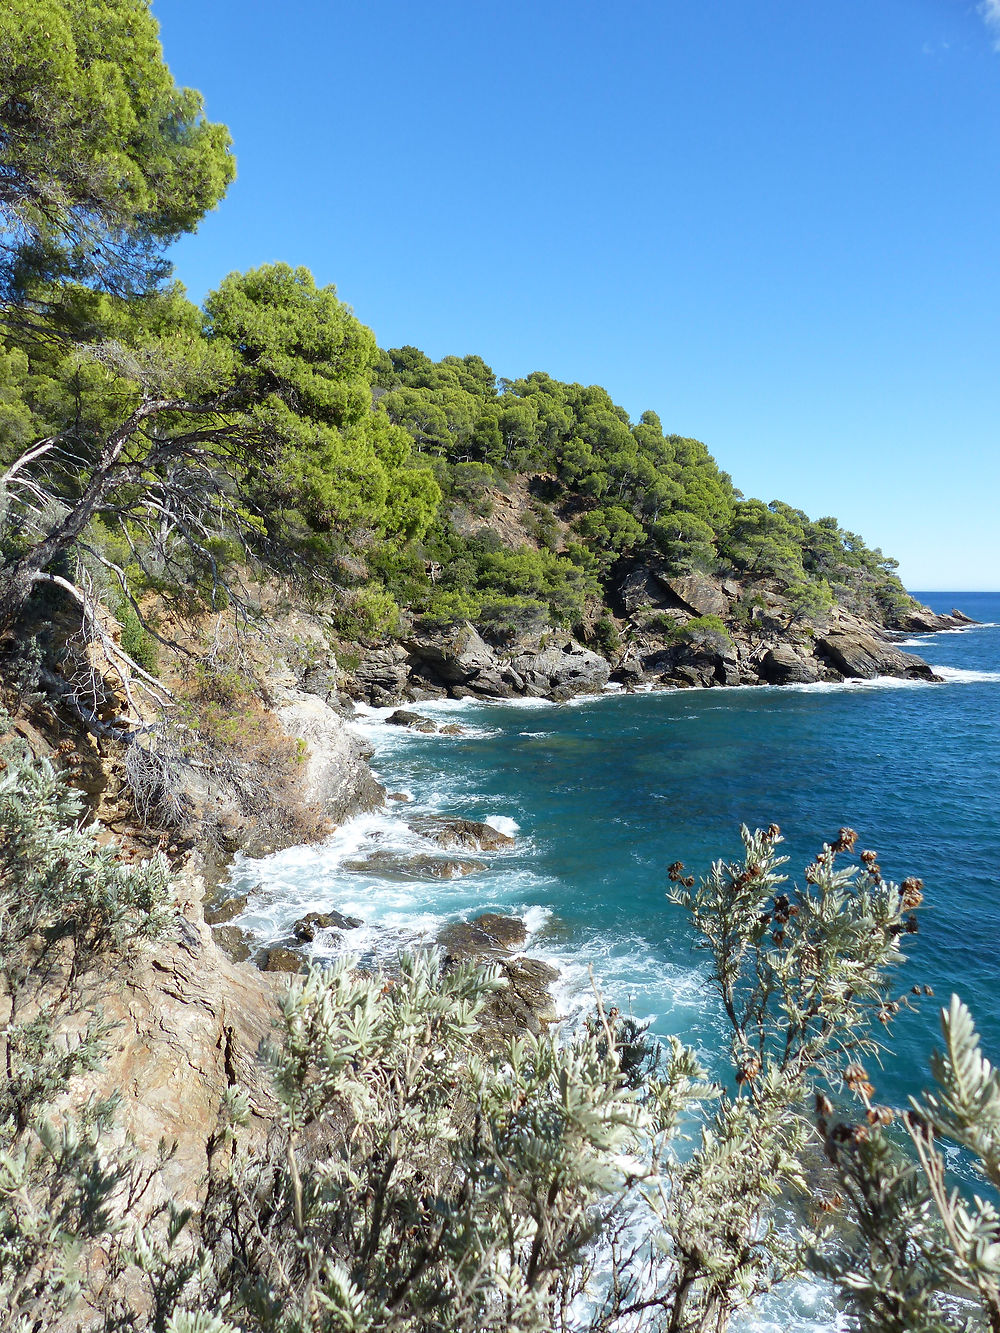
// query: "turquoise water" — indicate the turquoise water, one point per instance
point(605, 793)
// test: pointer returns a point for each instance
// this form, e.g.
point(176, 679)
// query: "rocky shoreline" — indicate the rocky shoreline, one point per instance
point(675, 631)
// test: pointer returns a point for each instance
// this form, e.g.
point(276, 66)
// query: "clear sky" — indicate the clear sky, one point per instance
point(776, 222)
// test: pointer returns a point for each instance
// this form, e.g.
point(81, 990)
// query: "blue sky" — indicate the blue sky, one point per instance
point(776, 222)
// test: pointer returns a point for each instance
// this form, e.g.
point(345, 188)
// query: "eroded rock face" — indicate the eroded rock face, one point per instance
point(466, 833)
point(336, 776)
point(186, 1024)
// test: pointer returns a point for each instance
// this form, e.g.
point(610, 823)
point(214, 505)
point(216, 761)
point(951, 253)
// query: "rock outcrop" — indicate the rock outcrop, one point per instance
point(458, 662)
point(524, 1003)
point(857, 655)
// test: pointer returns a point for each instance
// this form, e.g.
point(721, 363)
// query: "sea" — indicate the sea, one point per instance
point(603, 793)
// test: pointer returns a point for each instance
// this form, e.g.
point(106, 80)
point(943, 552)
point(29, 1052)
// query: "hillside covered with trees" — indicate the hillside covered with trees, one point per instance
point(219, 524)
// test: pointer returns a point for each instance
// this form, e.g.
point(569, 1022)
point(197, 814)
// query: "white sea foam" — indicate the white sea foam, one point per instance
point(503, 824)
point(965, 675)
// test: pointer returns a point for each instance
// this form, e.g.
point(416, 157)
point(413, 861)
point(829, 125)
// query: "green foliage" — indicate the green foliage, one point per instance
point(104, 160)
point(136, 639)
point(366, 612)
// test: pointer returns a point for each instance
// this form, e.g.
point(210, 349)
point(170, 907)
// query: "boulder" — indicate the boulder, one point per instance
point(336, 777)
point(782, 665)
point(561, 669)
point(697, 593)
point(415, 721)
point(456, 655)
point(466, 833)
point(397, 865)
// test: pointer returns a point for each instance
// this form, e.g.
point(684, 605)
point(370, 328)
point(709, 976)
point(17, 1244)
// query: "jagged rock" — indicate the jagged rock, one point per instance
point(393, 865)
point(782, 665)
point(860, 655)
point(456, 655)
point(380, 676)
point(336, 776)
point(220, 913)
point(524, 1003)
point(398, 796)
point(561, 670)
point(415, 721)
point(466, 833)
point(485, 937)
point(234, 941)
point(280, 959)
point(451, 729)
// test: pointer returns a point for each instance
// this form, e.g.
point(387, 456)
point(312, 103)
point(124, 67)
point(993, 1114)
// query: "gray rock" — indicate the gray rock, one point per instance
point(862, 656)
point(466, 833)
point(782, 665)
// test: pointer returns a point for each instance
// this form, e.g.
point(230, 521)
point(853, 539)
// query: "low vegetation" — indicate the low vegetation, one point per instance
point(587, 1180)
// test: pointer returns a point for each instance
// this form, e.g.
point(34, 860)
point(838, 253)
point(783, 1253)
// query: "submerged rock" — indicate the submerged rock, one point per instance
point(397, 865)
point(309, 926)
point(415, 721)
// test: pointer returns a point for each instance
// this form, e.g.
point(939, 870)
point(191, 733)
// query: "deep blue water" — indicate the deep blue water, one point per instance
point(606, 793)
